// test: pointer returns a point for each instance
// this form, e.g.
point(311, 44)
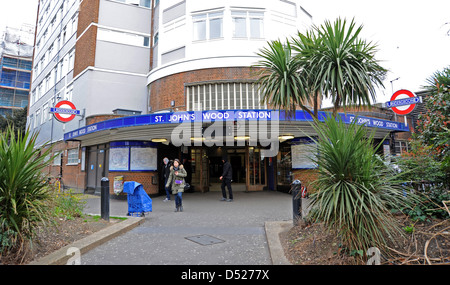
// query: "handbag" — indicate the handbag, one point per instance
point(187, 186)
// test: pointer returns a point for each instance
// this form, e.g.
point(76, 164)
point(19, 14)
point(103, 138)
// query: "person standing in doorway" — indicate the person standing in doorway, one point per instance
point(166, 173)
point(176, 180)
point(226, 180)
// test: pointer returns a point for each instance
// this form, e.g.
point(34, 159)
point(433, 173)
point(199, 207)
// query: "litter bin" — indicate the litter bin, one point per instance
point(296, 188)
point(138, 201)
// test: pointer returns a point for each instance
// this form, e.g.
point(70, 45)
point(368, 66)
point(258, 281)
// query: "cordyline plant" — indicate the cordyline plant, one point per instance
point(23, 188)
point(356, 189)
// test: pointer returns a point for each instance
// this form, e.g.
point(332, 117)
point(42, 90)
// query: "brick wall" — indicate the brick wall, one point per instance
point(169, 88)
point(145, 178)
point(72, 176)
point(306, 176)
point(86, 44)
point(100, 118)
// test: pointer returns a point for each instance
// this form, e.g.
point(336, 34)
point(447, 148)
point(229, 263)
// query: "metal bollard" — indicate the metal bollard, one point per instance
point(104, 200)
point(296, 201)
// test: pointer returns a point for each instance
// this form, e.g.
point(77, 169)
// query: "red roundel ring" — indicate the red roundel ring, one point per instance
point(410, 107)
point(65, 104)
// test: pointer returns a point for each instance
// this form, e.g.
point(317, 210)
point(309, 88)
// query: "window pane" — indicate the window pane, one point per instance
point(239, 28)
point(199, 30)
point(215, 28)
point(256, 28)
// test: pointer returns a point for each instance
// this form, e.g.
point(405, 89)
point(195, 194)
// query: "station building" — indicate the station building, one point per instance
point(174, 79)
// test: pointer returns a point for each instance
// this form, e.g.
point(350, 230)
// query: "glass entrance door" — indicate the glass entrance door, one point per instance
point(257, 169)
point(200, 169)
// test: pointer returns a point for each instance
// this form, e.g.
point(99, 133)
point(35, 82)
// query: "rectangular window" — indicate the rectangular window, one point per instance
point(239, 24)
point(256, 25)
point(44, 113)
point(199, 27)
point(72, 156)
point(57, 159)
point(248, 24)
point(215, 25)
point(123, 38)
point(208, 26)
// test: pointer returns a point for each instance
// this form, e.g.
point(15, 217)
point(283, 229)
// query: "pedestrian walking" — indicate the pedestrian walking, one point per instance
point(226, 178)
point(166, 173)
point(176, 180)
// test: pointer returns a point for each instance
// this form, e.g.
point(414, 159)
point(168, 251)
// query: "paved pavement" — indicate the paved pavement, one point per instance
point(235, 230)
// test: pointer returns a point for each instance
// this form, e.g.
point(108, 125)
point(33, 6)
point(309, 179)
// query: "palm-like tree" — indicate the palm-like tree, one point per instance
point(330, 61)
point(280, 79)
point(345, 66)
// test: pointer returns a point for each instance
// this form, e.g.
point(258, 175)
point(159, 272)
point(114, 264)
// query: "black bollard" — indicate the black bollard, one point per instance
point(296, 201)
point(104, 200)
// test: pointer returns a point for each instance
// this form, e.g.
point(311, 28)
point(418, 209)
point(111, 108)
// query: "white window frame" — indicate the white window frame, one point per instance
point(249, 16)
point(71, 160)
point(207, 17)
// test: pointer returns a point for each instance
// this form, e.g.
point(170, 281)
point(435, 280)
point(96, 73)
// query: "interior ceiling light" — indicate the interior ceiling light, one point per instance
point(159, 140)
point(286, 137)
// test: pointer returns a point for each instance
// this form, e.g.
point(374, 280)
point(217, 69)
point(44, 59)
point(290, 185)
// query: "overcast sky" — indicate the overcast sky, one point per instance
point(412, 36)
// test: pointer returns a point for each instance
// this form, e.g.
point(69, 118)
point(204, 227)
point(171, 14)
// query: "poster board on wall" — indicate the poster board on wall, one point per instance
point(118, 158)
point(302, 152)
point(133, 156)
point(143, 158)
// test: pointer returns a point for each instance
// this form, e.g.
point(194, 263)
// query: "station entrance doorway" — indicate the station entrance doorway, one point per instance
point(249, 168)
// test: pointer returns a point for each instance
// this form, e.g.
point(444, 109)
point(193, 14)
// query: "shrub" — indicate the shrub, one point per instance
point(355, 188)
point(23, 188)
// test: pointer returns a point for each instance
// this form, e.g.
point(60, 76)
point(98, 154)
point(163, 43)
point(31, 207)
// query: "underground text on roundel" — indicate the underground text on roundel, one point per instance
point(238, 274)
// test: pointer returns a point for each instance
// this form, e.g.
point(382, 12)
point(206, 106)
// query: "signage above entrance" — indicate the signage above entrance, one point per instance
point(223, 115)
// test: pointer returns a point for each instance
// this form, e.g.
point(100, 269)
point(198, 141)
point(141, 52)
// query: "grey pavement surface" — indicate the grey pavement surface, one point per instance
point(235, 229)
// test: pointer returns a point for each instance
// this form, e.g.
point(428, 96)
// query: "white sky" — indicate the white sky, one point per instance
point(411, 35)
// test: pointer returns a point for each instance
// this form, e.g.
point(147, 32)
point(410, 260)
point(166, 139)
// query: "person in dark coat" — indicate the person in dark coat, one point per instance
point(166, 173)
point(226, 180)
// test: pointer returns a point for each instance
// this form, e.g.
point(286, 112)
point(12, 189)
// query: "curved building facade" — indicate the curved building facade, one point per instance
point(171, 78)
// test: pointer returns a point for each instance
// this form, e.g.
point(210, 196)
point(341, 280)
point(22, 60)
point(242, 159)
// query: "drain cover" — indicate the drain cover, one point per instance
point(204, 239)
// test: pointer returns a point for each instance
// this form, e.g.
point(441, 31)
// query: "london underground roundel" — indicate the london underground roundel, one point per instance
point(403, 102)
point(64, 111)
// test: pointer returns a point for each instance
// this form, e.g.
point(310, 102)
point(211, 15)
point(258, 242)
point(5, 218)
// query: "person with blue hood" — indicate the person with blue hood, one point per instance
point(226, 177)
point(176, 179)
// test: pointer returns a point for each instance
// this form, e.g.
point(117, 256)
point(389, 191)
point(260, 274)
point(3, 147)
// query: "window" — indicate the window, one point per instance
point(199, 27)
point(239, 24)
point(223, 96)
point(44, 113)
point(208, 26)
point(215, 25)
point(248, 24)
point(37, 117)
point(123, 38)
point(57, 159)
point(72, 156)
point(401, 147)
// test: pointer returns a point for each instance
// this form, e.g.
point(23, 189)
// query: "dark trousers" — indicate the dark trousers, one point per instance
point(226, 182)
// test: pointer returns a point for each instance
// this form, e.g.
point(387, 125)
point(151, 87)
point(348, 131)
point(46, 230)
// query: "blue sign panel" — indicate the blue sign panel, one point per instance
point(403, 102)
point(225, 115)
point(64, 111)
